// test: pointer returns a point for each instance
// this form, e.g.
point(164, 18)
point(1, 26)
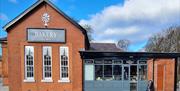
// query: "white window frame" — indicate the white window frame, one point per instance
point(28, 79)
point(47, 79)
point(66, 79)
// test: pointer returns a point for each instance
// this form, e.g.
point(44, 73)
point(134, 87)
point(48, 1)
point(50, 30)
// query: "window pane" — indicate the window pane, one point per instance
point(132, 61)
point(107, 72)
point(28, 74)
point(89, 72)
point(142, 62)
point(117, 61)
point(108, 61)
point(64, 69)
point(47, 69)
point(98, 61)
point(46, 74)
point(98, 72)
point(88, 61)
point(133, 72)
point(126, 73)
point(64, 63)
point(126, 61)
point(47, 58)
point(117, 72)
point(29, 59)
point(142, 72)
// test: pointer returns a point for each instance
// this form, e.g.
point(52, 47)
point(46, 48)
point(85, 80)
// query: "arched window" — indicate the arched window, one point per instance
point(47, 63)
point(29, 63)
point(64, 64)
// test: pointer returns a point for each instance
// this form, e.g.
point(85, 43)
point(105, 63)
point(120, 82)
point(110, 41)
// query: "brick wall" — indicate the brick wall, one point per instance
point(163, 73)
point(5, 64)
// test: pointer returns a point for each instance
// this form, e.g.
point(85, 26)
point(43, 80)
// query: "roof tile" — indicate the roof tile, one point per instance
point(111, 47)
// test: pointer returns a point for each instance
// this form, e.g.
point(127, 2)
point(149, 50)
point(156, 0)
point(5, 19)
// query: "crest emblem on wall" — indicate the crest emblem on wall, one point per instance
point(45, 18)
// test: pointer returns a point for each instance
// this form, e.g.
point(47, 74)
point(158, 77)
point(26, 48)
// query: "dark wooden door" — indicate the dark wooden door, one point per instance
point(160, 77)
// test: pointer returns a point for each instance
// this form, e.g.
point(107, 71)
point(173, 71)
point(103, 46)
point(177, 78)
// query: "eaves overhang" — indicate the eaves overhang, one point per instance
point(99, 54)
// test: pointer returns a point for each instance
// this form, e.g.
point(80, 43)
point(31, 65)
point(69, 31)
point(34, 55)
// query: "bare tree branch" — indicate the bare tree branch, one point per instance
point(166, 41)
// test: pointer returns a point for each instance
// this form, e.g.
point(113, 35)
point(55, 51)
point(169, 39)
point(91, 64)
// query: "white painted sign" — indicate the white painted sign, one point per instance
point(46, 35)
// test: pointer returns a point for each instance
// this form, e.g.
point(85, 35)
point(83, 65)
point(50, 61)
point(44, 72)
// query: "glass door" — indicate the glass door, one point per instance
point(142, 75)
point(126, 73)
point(126, 78)
point(133, 77)
point(130, 77)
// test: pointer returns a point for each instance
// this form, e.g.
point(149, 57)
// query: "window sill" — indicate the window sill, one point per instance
point(28, 80)
point(64, 81)
point(47, 80)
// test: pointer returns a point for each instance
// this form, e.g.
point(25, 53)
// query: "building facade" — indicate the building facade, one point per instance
point(129, 71)
point(45, 50)
point(35, 51)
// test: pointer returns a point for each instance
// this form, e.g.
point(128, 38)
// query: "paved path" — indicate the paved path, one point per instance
point(3, 88)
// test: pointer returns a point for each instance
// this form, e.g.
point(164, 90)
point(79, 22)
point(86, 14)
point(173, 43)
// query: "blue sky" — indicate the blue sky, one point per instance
point(112, 20)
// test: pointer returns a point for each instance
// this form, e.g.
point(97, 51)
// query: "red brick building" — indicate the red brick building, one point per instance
point(45, 50)
point(15, 46)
